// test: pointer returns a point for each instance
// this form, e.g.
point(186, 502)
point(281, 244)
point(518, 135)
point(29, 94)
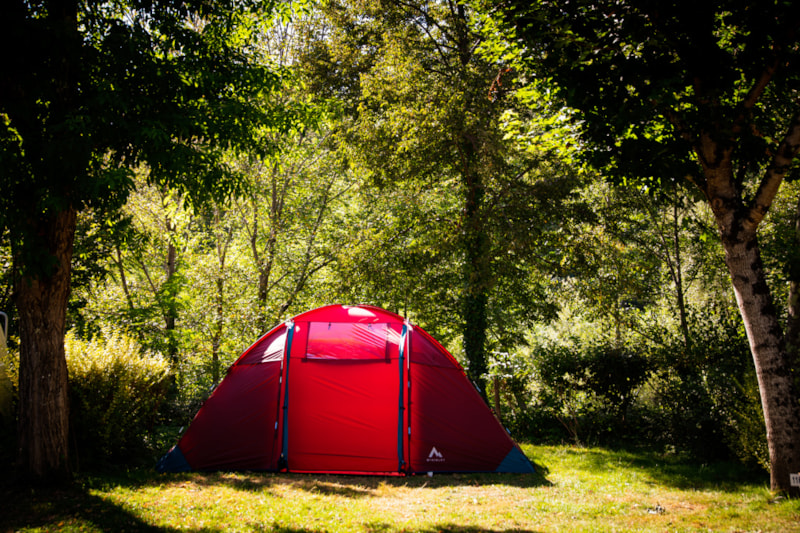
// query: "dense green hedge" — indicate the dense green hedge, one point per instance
point(116, 391)
point(701, 398)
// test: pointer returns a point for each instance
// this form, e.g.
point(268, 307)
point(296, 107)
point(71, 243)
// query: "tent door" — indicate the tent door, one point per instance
point(342, 398)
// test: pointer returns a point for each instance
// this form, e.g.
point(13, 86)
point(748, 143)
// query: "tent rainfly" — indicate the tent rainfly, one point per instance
point(351, 390)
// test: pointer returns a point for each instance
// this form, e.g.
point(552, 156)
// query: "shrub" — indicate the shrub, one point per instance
point(7, 380)
point(706, 396)
point(8, 383)
point(507, 386)
point(116, 391)
point(589, 389)
point(681, 415)
point(745, 430)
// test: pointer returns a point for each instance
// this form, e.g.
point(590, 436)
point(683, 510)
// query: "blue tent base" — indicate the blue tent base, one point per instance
point(516, 462)
point(173, 462)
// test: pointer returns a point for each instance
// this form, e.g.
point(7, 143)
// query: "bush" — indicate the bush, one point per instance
point(681, 415)
point(745, 431)
point(7, 375)
point(589, 389)
point(8, 383)
point(507, 387)
point(706, 397)
point(116, 391)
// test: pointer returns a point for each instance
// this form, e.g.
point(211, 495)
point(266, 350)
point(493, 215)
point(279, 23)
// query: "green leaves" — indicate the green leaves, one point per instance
point(116, 392)
point(91, 94)
point(650, 80)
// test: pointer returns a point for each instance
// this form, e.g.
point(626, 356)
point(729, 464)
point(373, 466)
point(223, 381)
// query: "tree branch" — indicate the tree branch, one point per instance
point(755, 93)
point(773, 177)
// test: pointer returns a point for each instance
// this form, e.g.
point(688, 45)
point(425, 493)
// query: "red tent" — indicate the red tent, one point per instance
point(346, 389)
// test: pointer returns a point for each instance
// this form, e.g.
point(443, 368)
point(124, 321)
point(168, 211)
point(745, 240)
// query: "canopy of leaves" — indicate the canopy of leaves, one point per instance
point(650, 79)
point(92, 89)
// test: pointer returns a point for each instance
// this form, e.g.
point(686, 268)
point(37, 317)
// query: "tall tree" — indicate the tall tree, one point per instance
point(705, 91)
point(285, 212)
point(90, 89)
point(423, 119)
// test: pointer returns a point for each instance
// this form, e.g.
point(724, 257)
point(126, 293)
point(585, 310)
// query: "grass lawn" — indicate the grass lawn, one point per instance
point(575, 489)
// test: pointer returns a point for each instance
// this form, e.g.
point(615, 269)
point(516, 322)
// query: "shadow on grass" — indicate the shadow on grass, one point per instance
point(74, 509)
point(444, 528)
point(49, 509)
point(79, 507)
point(670, 470)
point(349, 486)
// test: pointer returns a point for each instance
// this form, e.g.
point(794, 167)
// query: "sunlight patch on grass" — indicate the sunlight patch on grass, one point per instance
point(576, 489)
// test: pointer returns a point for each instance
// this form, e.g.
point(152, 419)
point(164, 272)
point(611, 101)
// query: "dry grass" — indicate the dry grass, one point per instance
point(576, 489)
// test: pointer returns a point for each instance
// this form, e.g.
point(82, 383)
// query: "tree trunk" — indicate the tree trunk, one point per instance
point(122, 278)
point(42, 292)
point(777, 387)
point(477, 270)
point(219, 326)
point(498, 408)
point(171, 312)
point(476, 278)
point(738, 224)
point(677, 274)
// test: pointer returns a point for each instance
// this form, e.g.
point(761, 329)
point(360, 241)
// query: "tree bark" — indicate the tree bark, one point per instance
point(476, 276)
point(219, 326)
point(170, 306)
point(477, 269)
point(677, 275)
point(777, 387)
point(122, 278)
point(223, 240)
point(498, 408)
point(738, 226)
point(42, 293)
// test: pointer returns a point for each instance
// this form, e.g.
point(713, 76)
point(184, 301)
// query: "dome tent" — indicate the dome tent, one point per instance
point(346, 389)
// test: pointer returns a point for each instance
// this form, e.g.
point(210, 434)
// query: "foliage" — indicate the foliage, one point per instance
point(146, 84)
point(291, 217)
point(701, 399)
point(116, 392)
point(209, 306)
point(706, 398)
point(638, 74)
point(588, 388)
point(378, 198)
point(8, 380)
point(509, 378)
point(91, 92)
point(451, 204)
point(744, 430)
point(668, 91)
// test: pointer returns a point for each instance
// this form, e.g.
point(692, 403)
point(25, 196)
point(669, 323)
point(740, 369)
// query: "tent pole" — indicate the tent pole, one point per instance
point(401, 406)
point(284, 460)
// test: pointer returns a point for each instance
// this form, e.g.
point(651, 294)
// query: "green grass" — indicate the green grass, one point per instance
point(575, 489)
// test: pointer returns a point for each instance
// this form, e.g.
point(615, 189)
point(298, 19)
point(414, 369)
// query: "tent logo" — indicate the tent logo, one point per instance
point(435, 456)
